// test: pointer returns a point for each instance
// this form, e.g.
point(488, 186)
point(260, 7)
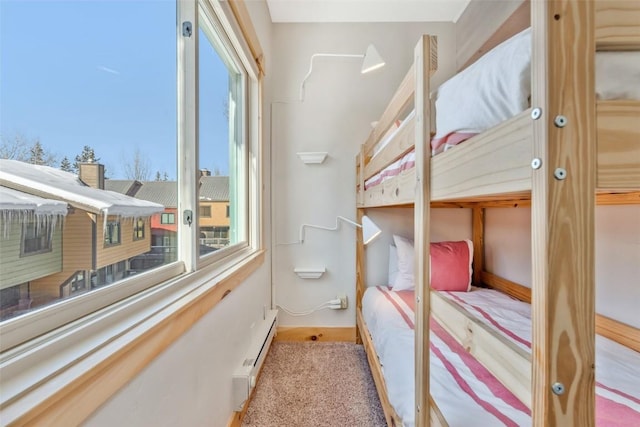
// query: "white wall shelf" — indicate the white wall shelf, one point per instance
point(309, 273)
point(316, 157)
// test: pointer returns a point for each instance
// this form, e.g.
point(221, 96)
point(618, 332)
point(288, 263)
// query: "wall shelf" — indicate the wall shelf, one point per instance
point(316, 157)
point(309, 273)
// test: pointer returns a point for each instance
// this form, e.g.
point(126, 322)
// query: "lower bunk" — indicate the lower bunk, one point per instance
point(464, 391)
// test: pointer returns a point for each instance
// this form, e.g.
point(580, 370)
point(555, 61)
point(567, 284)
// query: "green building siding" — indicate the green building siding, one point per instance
point(15, 269)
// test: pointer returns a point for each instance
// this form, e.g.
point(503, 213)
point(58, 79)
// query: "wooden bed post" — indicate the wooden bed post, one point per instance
point(422, 234)
point(359, 271)
point(563, 196)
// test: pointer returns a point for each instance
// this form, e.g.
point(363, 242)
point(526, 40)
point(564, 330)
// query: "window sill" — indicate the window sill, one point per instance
point(56, 379)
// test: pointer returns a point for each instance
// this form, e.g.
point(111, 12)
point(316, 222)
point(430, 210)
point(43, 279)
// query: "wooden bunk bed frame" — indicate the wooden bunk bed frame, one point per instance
point(593, 157)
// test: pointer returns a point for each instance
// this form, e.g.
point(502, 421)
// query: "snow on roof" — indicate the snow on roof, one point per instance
point(13, 200)
point(48, 182)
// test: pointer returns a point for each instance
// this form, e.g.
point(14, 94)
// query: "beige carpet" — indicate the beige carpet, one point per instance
point(314, 385)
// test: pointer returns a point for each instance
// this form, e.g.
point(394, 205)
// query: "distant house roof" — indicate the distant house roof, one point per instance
point(212, 188)
point(123, 186)
point(163, 192)
point(48, 182)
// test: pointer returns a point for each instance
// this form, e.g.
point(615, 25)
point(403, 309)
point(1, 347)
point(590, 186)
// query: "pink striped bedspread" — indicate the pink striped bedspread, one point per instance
point(408, 161)
point(467, 393)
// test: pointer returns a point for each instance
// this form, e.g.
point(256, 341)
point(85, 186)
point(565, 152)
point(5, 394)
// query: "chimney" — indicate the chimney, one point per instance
point(92, 174)
point(205, 172)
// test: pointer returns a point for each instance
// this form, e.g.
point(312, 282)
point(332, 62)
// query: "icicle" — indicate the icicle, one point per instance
point(9, 217)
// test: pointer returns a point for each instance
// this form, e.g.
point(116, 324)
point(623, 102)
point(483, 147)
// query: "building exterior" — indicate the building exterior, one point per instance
point(213, 214)
point(83, 240)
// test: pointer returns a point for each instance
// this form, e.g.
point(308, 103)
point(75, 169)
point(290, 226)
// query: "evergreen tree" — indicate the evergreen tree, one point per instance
point(39, 156)
point(36, 154)
point(158, 176)
point(87, 156)
point(66, 165)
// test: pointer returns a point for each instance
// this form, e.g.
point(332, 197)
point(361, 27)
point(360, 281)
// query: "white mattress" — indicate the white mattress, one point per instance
point(464, 391)
point(617, 77)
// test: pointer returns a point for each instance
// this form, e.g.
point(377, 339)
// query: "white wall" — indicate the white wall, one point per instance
point(335, 117)
point(189, 384)
point(508, 254)
point(446, 224)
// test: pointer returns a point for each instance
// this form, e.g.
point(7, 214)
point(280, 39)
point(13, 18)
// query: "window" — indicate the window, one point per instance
point(36, 238)
point(168, 218)
point(222, 148)
point(112, 233)
point(138, 230)
point(205, 211)
point(106, 109)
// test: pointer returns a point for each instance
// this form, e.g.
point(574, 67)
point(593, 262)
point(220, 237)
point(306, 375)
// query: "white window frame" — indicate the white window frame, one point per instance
point(237, 48)
point(171, 215)
point(65, 335)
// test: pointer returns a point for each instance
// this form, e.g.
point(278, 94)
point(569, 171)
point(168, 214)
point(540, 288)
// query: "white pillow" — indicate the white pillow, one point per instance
point(491, 90)
point(404, 279)
point(393, 265)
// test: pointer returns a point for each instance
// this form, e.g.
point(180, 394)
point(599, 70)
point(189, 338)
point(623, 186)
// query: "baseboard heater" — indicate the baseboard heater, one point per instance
point(244, 379)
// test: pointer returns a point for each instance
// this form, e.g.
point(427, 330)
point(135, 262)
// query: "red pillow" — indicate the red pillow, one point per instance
point(451, 265)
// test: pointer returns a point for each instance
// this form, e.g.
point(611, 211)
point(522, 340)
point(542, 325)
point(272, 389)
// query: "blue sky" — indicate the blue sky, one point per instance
point(103, 74)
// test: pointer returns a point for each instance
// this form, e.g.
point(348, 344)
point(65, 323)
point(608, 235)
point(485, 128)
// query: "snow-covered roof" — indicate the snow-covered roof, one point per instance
point(13, 200)
point(49, 182)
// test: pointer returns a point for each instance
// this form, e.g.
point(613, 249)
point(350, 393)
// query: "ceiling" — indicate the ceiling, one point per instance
point(366, 10)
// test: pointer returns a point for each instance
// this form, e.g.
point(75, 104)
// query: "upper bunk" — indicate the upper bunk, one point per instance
point(497, 163)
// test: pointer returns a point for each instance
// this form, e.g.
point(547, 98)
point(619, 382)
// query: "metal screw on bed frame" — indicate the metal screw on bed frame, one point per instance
point(557, 388)
point(560, 174)
point(536, 113)
point(536, 163)
point(560, 121)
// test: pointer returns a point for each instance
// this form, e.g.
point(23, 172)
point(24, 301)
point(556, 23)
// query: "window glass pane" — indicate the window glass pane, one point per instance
point(222, 152)
point(88, 90)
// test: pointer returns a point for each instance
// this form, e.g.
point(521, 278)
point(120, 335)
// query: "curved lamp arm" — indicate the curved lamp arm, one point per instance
point(370, 229)
point(323, 55)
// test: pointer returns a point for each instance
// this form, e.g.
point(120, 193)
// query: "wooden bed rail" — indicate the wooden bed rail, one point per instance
point(617, 25)
point(509, 363)
point(619, 332)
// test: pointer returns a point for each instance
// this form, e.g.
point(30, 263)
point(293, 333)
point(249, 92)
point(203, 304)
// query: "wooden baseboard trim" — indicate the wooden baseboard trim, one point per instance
point(309, 333)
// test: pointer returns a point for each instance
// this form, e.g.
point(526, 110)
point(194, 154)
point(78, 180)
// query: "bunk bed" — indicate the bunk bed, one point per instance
point(560, 155)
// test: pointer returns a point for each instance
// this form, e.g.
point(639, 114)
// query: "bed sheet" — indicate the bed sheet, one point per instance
point(617, 366)
point(617, 77)
point(465, 392)
point(459, 381)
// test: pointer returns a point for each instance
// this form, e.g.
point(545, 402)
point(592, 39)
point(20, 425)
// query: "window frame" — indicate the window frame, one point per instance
point(239, 53)
point(109, 227)
point(139, 226)
point(171, 215)
point(204, 211)
point(140, 290)
point(47, 237)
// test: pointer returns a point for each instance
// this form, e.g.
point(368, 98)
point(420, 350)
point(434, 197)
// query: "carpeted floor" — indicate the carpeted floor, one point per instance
point(315, 385)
